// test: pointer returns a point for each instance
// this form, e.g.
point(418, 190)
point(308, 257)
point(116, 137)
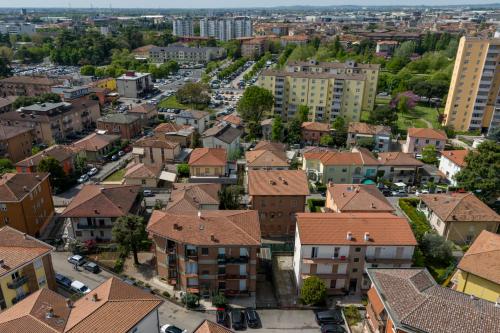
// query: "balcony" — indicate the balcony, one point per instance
point(18, 282)
point(92, 226)
point(234, 260)
point(236, 277)
point(233, 292)
point(192, 254)
point(325, 260)
point(374, 260)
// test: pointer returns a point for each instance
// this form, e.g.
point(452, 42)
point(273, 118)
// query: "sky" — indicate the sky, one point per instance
point(224, 3)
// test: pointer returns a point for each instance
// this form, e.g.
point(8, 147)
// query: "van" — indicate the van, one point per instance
point(79, 287)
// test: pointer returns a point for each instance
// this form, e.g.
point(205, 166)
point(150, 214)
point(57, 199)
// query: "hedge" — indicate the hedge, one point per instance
point(418, 221)
point(314, 204)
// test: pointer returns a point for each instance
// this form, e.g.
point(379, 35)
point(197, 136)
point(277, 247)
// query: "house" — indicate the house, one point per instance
point(25, 267)
point(134, 84)
point(418, 138)
point(429, 173)
point(15, 142)
point(398, 167)
point(478, 272)
point(96, 146)
point(114, 306)
point(232, 120)
point(409, 300)
point(356, 198)
point(187, 197)
point(146, 112)
point(340, 167)
point(269, 145)
point(182, 134)
point(198, 119)
point(277, 195)
point(266, 160)
point(146, 175)
point(125, 125)
point(379, 135)
point(211, 162)
point(253, 48)
point(312, 131)
point(266, 126)
point(338, 247)
point(95, 208)
point(452, 161)
point(458, 217)
point(208, 326)
point(63, 154)
point(207, 252)
point(26, 202)
point(223, 136)
point(156, 150)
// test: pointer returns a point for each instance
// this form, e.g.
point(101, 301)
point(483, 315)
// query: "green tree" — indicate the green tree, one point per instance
point(6, 166)
point(294, 131)
point(313, 291)
point(230, 197)
point(277, 129)
point(80, 163)
point(219, 301)
point(429, 154)
point(383, 115)
point(5, 69)
point(480, 175)
point(253, 105)
point(303, 113)
point(87, 70)
point(194, 94)
point(340, 131)
point(326, 140)
point(130, 232)
point(436, 248)
point(183, 170)
point(57, 177)
point(402, 105)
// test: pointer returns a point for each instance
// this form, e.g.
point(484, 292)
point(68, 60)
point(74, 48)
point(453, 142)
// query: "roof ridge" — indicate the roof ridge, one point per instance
point(456, 205)
point(237, 226)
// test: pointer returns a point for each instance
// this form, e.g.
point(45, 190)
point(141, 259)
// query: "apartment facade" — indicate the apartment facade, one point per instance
point(208, 162)
point(63, 154)
point(398, 167)
point(26, 86)
point(312, 132)
point(15, 142)
point(451, 163)
point(223, 136)
point(197, 119)
point(226, 28)
point(134, 84)
point(155, 150)
point(183, 27)
point(181, 54)
point(207, 252)
point(473, 102)
point(94, 147)
point(358, 132)
point(339, 247)
point(125, 125)
point(26, 202)
point(419, 138)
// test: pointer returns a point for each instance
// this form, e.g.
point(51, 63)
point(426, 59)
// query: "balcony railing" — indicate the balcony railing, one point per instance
point(16, 283)
point(172, 260)
point(236, 276)
point(192, 254)
point(232, 260)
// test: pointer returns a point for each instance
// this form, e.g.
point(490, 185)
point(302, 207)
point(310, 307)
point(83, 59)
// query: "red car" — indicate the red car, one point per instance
point(127, 149)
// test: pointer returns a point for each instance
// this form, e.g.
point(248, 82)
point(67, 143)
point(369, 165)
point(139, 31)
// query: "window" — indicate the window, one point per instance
point(354, 270)
point(78, 233)
point(3, 207)
point(314, 252)
point(333, 283)
point(38, 263)
point(356, 259)
point(42, 281)
point(204, 251)
point(336, 252)
point(358, 249)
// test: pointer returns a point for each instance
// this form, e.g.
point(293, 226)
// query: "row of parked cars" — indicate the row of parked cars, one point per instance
point(238, 319)
point(330, 321)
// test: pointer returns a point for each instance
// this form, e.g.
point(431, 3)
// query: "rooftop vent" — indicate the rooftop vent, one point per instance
point(349, 235)
point(367, 236)
point(69, 303)
point(50, 313)
point(212, 238)
point(94, 297)
point(373, 205)
point(177, 226)
point(2, 263)
point(202, 227)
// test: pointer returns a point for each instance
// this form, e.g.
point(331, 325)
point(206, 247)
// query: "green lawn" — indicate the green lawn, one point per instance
point(172, 103)
point(116, 176)
point(418, 117)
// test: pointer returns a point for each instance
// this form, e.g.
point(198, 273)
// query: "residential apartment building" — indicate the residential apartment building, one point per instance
point(134, 84)
point(182, 54)
point(17, 28)
point(183, 27)
point(409, 300)
point(63, 154)
point(15, 142)
point(95, 208)
point(197, 119)
point(312, 132)
point(226, 28)
point(182, 134)
point(52, 122)
point(26, 202)
point(25, 266)
point(379, 135)
point(7, 103)
point(356, 198)
point(451, 163)
point(478, 271)
point(223, 136)
point(125, 125)
point(26, 86)
point(262, 159)
point(458, 217)
point(398, 167)
point(207, 252)
point(146, 112)
point(145, 175)
point(155, 150)
point(114, 306)
point(473, 102)
point(277, 195)
point(419, 138)
point(253, 48)
point(339, 247)
point(186, 197)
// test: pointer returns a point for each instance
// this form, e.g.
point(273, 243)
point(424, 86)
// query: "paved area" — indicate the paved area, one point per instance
point(284, 280)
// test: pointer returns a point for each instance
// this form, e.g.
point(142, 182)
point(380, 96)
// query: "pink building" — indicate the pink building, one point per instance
point(419, 138)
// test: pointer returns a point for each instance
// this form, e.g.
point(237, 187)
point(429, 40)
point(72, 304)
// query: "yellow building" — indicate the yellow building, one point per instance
point(472, 102)
point(329, 89)
point(107, 83)
point(208, 162)
point(25, 266)
point(478, 272)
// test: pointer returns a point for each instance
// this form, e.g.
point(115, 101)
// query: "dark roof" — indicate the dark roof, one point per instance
point(118, 118)
point(8, 132)
point(59, 152)
point(15, 186)
point(225, 133)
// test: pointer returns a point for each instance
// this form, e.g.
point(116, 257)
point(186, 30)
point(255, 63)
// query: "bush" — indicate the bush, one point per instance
point(315, 204)
point(352, 315)
point(119, 263)
point(219, 301)
point(418, 221)
point(147, 285)
point(140, 283)
point(183, 170)
point(313, 291)
point(191, 300)
point(166, 294)
point(436, 248)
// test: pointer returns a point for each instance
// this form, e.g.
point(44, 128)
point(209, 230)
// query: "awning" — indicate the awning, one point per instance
point(400, 184)
point(368, 182)
point(168, 176)
point(138, 151)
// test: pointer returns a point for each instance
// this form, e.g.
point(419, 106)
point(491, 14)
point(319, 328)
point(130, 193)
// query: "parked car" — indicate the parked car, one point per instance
point(92, 172)
point(222, 318)
point(329, 317)
point(83, 178)
point(92, 267)
point(114, 157)
point(332, 328)
point(238, 319)
point(167, 328)
point(76, 260)
point(121, 153)
point(148, 193)
point(63, 280)
point(79, 287)
point(253, 320)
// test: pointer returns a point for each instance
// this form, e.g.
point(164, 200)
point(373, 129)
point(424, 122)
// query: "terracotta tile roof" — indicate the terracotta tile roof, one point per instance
point(95, 142)
point(192, 114)
point(15, 186)
point(60, 152)
point(17, 249)
point(356, 197)
point(277, 182)
point(171, 127)
point(208, 157)
point(332, 229)
point(375, 301)
point(315, 126)
point(265, 158)
point(36, 80)
point(119, 308)
point(118, 118)
point(268, 145)
point(414, 301)
point(456, 156)
point(399, 159)
point(228, 227)
point(343, 158)
point(103, 201)
point(232, 119)
point(459, 207)
point(8, 132)
point(208, 326)
point(427, 133)
point(364, 128)
point(8, 100)
point(191, 197)
point(483, 257)
point(144, 108)
point(155, 142)
point(141, 170)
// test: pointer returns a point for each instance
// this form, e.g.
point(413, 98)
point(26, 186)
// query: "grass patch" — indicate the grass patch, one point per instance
point(352, 315)
point(416, 117)
point(116, 176)
point(172, 103)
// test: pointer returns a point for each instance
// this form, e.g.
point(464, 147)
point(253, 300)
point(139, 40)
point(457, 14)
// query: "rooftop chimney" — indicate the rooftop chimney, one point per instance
point(94, 297)
point(96, 211)
point(349, 235)
point(50, 313)
point(69, 303)
point(176, 226)
point(199, 214)
point(373, 205)
point(367, 236)
point(212, 238)
point(2, 263)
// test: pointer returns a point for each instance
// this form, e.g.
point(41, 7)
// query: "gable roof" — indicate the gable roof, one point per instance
point(277, 182)
point(118, 118)
point(157, 141)
point(364, 128)
point(459, 207)
point(16, 186)
point(190, 196)
point(102, 201)
point(8, 132)
point(357, 197)
point(95, 142)
point(141, 170)
point(59, 152)
point(361, 157)
point(192, 114)
point(483, 257)
point(427, 133)
point(224, 132)
point(315, 126)
point(456, 156)
point(208, 326)
point(144, 108)
point(265, 158)
point(208, 157)
point(332, 229)
point(268, 145)
point(212, 227)
point(415, 302)
point(172, 128)
point(399, 159)
point(231, 119)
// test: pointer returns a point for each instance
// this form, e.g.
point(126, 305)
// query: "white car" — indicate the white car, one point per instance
point(92, 172)
point(79, 287)
point(83, 178)
point(167, 328)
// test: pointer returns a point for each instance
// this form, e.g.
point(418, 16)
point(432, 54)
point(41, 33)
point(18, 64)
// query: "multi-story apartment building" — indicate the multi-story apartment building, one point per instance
point(25, 266)
point(339, 247)
point(52, 122)
point(473, 102)
point(181, 54)
point(126, 126)
point(134, 85)
point(17, 28)
point(26, 202)
point(226, 28)
point(155, 150)
point(183, 27)
point(15, 142)
point(277, 195)
point(207, 252)
point(26, 86)
point(451, 163)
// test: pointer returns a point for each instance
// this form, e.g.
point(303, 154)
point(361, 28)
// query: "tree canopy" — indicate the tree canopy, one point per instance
point(277, 129)
point(57, 177)
point(253, 105)
point(313, 291)
point(194, 94)
point(130, 232)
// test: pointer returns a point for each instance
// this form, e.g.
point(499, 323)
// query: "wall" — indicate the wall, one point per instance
point(449, 169)
point(474, 285)
point(148, 324)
